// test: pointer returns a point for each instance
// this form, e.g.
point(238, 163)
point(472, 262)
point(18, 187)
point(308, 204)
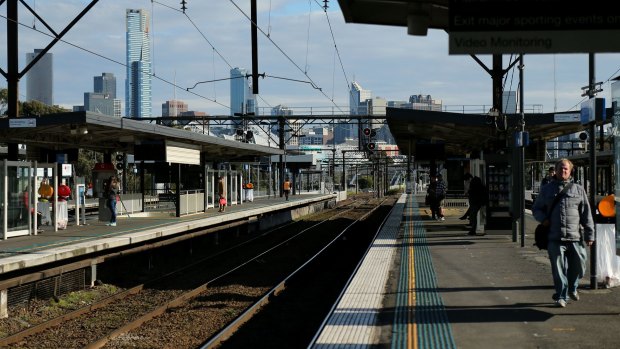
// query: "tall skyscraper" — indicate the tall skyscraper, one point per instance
point(357, 97)
point(40, 78)
point(139, 68)
point(106, 84)
point(357, 106)
point(242, 100)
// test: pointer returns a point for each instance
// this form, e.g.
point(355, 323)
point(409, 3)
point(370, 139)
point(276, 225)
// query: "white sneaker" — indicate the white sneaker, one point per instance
point(574, 295)
point(112, 224)
point(442, 218)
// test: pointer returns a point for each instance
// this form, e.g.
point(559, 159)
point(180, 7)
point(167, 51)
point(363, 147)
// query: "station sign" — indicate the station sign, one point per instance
point(567, 117)
point(533, 26)
point(22, 122)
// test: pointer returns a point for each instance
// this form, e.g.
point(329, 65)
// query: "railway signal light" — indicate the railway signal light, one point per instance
point(371, 146)
point(367, 131)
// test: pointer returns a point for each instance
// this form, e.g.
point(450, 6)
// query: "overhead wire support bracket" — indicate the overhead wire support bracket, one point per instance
point(295, 80)
point(592, 90)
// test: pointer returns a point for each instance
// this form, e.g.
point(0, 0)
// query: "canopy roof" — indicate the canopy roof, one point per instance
point(113, 134)
point(466, 133)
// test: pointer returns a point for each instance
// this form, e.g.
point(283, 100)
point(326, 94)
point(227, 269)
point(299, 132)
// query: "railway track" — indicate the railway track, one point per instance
point(215, 289)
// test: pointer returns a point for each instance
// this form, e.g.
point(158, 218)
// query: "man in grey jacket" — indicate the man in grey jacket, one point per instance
point(571, 228)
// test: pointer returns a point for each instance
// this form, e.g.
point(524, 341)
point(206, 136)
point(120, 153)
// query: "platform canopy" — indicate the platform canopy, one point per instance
point(92, 131)
point(417, 15)
point(466, 133)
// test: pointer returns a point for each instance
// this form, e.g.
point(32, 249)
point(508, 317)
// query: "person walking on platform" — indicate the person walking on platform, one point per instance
point(478, 197)
point(571, 228)
point(286, 187)
point(436, 194)
point(111, 192)
point(221, 192)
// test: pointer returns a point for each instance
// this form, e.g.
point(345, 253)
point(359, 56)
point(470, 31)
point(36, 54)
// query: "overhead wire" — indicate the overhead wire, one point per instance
point(111, 60)
point(334, 75)
point(335, 45)
point(285, 54)
point(308, 34)
point(215, 50)
point(213, 69)
point(199, 31)
point(511, 81)
point(606, 81)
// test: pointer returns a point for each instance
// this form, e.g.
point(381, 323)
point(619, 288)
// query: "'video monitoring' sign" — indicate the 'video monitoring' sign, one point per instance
point(533, 26)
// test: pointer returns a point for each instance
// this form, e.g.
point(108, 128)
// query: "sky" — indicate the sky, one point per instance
point(309, 56)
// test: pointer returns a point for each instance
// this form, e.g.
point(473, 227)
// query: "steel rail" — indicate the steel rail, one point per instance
point(229, 330)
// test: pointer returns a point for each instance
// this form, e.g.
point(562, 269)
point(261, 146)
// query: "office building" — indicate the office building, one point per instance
point(99, 103)
point(106, 84)
point(173, 108)
point(103, 100)
point(279, 110)
point(357, 106)
point(40, 78)
point(424, 102)
point(357, 97)
point(242, 100)
point(139, 68)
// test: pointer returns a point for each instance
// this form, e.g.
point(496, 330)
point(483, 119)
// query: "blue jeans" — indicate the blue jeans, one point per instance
point(112, 206)
point(568, 266)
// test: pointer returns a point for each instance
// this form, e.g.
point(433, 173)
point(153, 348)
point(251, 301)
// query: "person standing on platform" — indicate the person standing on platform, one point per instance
point(45, 191)
point(466, 183)
point(571, 228)
point(549, 177)
point(478, 196)
point(249, 191)
point(221, 192)
point(286, 187)
point(442, 189)
point(111, 193)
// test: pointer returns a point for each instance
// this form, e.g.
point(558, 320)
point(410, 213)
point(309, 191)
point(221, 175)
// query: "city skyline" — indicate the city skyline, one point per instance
point(207, 41)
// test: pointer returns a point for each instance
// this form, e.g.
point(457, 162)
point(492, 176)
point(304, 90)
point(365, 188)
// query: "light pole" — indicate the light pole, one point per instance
point(334, 166)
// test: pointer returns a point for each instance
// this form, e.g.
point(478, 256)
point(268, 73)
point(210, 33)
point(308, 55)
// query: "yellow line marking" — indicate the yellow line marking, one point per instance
point(565, 329)
point(412, 341)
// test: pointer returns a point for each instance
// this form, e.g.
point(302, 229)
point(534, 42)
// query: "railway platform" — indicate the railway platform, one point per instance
point(48, 254)
point(427, 284)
